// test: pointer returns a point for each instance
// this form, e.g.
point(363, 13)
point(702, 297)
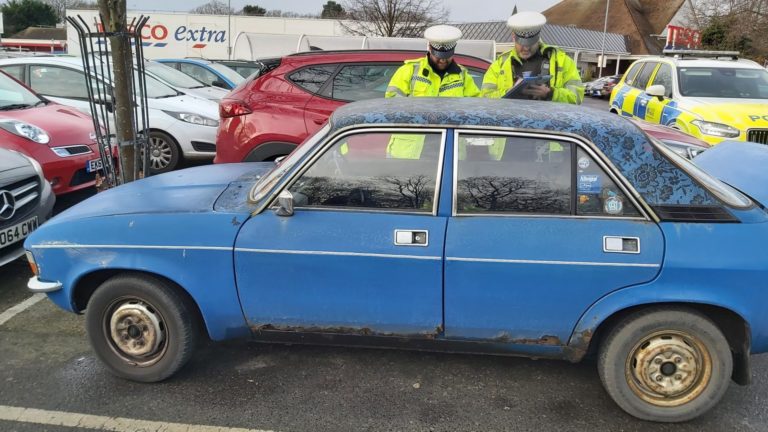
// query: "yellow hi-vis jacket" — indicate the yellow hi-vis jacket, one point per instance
point(416, 78)
point(565, 83)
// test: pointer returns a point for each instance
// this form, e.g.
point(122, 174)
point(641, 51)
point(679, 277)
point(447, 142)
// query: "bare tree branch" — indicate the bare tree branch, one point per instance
point(394, 18)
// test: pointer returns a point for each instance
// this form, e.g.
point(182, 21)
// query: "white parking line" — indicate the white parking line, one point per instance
point(21, 307)
point(115, 424)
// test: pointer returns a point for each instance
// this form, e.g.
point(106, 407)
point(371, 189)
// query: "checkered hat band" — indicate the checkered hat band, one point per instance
point(527, 34)
point(443, 46)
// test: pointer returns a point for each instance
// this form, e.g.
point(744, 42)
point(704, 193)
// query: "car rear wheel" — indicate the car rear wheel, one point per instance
point(666, 365)
point(164, 153)
point(141, 328)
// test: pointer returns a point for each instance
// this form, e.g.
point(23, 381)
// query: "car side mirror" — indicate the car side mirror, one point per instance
point(220, 84)
point(284, 204)
point(656, 90)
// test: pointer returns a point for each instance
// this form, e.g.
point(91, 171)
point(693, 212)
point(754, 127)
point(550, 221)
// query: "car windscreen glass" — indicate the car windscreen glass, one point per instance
point(268, 181)
point(15, 94)
point(722, 191)
point(172, 76)
point(723, 82)
point(228, 73)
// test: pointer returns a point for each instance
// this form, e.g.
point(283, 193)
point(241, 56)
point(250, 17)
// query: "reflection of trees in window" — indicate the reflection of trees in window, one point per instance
point(511, 194)
point(414, 192)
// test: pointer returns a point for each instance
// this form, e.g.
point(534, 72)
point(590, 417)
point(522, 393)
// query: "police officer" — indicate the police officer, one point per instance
point(533, 57)
point(435, 74)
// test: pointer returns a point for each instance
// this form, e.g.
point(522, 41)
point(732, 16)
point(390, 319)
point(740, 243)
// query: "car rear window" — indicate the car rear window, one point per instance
point(312, 78)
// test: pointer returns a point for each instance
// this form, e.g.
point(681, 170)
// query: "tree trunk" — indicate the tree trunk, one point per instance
point(114, 14)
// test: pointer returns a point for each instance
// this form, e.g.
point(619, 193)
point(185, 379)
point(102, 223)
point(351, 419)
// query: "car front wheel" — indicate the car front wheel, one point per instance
point(164, 153)
point(141, 328)
point(665, 365)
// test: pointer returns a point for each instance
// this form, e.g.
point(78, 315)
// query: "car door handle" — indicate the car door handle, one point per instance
point(411, 237)
point(618, 244)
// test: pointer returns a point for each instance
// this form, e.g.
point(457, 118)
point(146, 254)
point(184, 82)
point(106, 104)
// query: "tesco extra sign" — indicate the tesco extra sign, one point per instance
point(157, 35)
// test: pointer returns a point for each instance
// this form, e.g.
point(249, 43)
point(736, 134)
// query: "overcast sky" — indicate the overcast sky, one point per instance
point(461, 10)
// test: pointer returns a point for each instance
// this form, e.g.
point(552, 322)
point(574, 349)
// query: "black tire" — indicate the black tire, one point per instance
point(164, 152)
point(144, 311)
point(690, 356)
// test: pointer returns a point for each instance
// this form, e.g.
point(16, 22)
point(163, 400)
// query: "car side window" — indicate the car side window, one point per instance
point(596, 193)
point(513, 175)
point(641, 81)
point(312, 78)
point(632, 73)
point(664, 77)
point(364, 81)
point(199, 73)
point(376, 170)
point(16, 71)
point(57, 82)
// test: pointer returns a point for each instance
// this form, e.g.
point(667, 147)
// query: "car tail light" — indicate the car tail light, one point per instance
point(233, 108)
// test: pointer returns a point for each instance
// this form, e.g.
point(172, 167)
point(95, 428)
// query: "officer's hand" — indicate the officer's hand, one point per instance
point(537, 91)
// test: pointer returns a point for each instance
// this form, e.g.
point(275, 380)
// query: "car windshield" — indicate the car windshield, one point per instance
point(156, 89)
point(172, 76)
point(269, 180)
point(14, 95)
point(723, 82)
point(228, 73)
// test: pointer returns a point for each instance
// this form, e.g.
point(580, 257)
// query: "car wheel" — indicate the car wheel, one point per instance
point(164, 153)
point(141, 328)
point(666, 365)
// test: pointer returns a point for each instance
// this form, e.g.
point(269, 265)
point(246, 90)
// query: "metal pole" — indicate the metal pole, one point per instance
point(602, 49)
point(229, 29)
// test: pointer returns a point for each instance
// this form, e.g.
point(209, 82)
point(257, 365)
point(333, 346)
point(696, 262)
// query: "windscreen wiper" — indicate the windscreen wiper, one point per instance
point(14, 107)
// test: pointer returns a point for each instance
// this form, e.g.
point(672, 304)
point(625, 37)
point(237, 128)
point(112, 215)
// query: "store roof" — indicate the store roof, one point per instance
point(567, 37)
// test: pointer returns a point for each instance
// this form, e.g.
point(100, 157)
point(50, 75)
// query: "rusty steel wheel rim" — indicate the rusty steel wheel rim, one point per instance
point(669, 369)
point(136, 331)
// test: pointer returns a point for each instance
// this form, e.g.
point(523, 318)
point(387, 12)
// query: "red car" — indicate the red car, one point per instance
point(60, 138)
point(269, 115)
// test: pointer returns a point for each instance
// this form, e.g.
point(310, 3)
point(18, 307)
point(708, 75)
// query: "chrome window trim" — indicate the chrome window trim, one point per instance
point(596, 155)
point(322, 147)
point(546, 262)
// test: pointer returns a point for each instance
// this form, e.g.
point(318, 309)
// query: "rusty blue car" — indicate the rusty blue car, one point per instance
point(486, 226)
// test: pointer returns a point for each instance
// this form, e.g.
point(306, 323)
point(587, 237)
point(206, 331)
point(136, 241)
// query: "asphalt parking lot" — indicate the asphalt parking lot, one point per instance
point(51, 381)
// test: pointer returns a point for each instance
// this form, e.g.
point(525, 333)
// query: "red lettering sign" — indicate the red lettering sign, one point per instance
point(681, 37)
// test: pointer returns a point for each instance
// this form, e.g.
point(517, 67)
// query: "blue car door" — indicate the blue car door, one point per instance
point(362, 252)
point(540, 231)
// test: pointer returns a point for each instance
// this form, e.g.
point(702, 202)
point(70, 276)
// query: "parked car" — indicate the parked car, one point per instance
point(247, 68)
point(59, 137)
point(181, 126)
point(549, 233)
point(608, 85)
point(207, 72)
point(26, 201)
point(271, 114)
point(710, 98)
point(183, 82)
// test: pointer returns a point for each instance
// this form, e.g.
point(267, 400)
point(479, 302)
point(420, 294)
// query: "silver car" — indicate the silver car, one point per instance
point(26, 201)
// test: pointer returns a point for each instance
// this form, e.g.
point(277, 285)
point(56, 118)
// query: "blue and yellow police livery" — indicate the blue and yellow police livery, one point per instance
point(711, 99)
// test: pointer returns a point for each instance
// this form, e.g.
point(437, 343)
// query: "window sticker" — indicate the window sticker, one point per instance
point(589, 184)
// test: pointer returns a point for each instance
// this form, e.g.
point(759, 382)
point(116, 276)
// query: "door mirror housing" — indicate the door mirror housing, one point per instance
point(657, 90)
point(284, 204)
point(220, 84)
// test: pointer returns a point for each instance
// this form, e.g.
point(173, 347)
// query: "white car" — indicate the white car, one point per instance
point(180, 125)
point(183, 82)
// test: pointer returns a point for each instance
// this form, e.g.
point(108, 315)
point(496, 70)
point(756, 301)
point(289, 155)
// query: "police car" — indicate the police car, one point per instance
point(713, 96)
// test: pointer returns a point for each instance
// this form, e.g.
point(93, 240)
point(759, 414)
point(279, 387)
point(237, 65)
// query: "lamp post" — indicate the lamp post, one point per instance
point(229, 29)
point(601, 60)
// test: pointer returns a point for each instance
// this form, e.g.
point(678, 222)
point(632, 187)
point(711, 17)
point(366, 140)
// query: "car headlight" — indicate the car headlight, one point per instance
point(193, 118)
point(688, 151)
point(25, 130)
point(716, 129)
